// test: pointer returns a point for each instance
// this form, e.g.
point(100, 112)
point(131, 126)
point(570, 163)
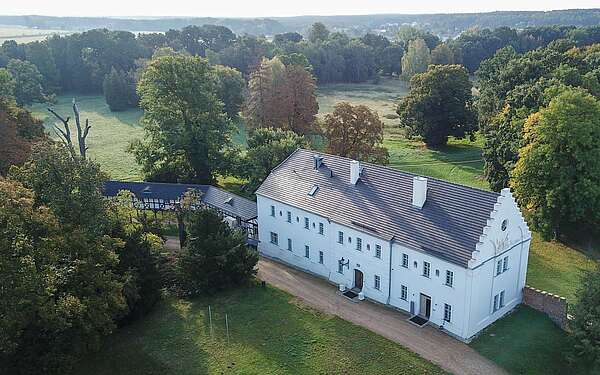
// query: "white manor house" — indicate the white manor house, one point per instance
point(448, 254)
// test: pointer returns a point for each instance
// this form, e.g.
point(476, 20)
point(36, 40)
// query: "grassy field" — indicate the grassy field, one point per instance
point(269, 333)
point(526, 342)
point(22, 34)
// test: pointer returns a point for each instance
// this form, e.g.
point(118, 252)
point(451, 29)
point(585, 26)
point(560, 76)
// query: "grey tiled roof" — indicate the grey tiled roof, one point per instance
point(224, 200)
point(448, 226)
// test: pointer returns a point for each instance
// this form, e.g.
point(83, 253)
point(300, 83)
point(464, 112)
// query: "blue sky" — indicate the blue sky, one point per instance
point(271, 8)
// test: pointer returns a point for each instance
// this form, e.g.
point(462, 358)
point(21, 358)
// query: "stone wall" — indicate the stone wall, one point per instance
point(552, 305)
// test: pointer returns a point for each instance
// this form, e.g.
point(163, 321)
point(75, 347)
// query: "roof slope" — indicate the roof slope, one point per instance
point(448, 226)
point(224, 200)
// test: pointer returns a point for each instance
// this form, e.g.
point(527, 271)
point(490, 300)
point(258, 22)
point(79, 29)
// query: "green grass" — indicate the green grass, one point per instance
point(526, 342)
point(270, 333)
point(22, 34)
point(110, 134)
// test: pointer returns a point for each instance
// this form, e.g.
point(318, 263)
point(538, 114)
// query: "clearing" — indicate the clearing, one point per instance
point(22, 34)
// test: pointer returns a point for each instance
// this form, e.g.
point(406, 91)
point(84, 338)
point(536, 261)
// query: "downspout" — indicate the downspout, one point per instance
point(390, 274)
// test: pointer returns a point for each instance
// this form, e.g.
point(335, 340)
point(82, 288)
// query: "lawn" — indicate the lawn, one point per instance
point(526, 342)
point(269, 333)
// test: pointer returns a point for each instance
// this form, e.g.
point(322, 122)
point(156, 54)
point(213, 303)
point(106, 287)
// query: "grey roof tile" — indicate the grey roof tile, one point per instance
point(448, 226)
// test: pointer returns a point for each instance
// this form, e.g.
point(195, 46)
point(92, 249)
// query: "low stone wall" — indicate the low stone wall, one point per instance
point(552, 305)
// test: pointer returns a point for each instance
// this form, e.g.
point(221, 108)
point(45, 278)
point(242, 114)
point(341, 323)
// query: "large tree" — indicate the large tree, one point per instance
point(416, 59)
point(119, 90)
point(231, 87)
point(355, 132)
point(7, 84)
point(557, 176)
point(28, 81)
point(187, 132)
point(439, 105)
point(318, 33)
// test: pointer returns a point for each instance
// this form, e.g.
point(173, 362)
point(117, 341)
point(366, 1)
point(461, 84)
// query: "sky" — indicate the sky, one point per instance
point(274, 8)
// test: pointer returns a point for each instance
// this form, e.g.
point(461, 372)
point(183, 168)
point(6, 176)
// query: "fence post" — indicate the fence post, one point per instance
point(210, 320)
point(227, 327)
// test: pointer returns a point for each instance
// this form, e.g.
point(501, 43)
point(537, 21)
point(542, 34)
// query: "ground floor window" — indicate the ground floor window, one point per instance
point(289, 244)
point(501, 302)
point(307, 251)
point(447, 312)
point(321, 257)
point(340, 267)
point(377, 282)
point(498, 301)
point(274, 238)
point(403, 292)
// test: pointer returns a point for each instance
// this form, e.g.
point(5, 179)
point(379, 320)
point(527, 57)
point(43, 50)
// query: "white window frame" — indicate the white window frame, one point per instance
point(378, 251)
point(307, 251)
point(358, 243)
point(426, 267)
point(272, 210)
point(377, 282)
point(501, 300)
point(449, 278)
point(499, 267)
point(340, 237)
point(306, 223)
point(496, 302)
point(403, 292)
point(340, 268)
point(289, 217)
point(274, 238)
point(405, 261)
point(321, 257)
point(447, 313)
point(290, 247)
point(505, 264)
point(321, 228)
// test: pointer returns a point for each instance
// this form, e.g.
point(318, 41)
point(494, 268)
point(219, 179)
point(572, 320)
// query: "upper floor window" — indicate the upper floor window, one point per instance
point(449, 278)
point(321, 228)
point(274, 238)
point(289, 217)
point(405, 260)
point(289, 244)
point(447, 312)
point(504, 225)
point(505, 264)
point(377, 251)
point(340, 237)
point(403, 292)
point(499, 267)
point(377, 282)
point(273, 211)
point(358, 243)
point(426, 269)
point(306, 223)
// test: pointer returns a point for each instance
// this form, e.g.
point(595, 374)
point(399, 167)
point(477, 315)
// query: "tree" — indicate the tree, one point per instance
point(355, 132)
point(290, 37)
point(185, 126)
point(318, 33)
point(119, 90)
point(407, 34)
point(215, 256)
point(28, 81)
point(230, 86)
point(7, 84)
point(40, 55)
point(267, 148)
point(416, 59)
point(65, 134)
point(557, 176)
point(439, 105)
point(586, 319)
point(442, 55)
point(281, 96)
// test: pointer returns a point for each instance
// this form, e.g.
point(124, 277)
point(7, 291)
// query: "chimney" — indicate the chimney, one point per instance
point(354, 171)
point(317, 161)
point(419, 191)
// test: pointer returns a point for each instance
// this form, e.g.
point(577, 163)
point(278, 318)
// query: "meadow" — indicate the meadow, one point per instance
point(22, 34)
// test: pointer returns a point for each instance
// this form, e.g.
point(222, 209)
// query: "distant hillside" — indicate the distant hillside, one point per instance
point(445, 25)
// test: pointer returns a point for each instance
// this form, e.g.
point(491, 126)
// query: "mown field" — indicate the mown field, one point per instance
point(22, 34)
point(553, 267)
point(269, 333)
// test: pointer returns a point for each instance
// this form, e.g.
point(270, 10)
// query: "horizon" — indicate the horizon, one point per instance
point(273, 9)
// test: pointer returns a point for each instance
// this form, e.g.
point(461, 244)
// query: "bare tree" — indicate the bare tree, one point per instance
point(65, 135)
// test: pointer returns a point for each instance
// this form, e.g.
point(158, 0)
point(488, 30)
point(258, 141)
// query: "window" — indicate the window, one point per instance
point(321, 228)
point(340, 237)
point(496, 303)
point(273, 211)
point(499, 267)
point(505, 264)
point(306, 251)
point(447, 312)
point(378, 251)
point(306, 223)
point(405, 260)
point(289, 244)
point(340, 267)
point(313, 190)
point(449, 278)
point(403, 292)
point(504, 225)
point(501, 302)
point(358, 243)
point(321, 257)
point(426, 269)
point(377, 282)
point(289, 217)
point(274, 238)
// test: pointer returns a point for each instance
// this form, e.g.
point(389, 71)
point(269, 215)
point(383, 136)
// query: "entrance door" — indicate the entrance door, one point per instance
point(358, 279)
point(425, 306)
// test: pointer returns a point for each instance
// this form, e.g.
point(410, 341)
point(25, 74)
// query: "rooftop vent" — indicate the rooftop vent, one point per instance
point(354, 172)
point(317, 161)
point(229, 201)
point(313, 191)
point(419, 191)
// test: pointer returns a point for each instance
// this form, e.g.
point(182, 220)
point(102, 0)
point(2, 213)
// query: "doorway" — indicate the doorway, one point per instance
point(425, 306)
point(358, 279)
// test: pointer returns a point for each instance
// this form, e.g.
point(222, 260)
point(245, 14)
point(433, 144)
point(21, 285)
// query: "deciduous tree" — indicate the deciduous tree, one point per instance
point(28, 81)
point(355, 132)
point(416, 59)
point(119, 90)
point(231, 87)
point(586, 319)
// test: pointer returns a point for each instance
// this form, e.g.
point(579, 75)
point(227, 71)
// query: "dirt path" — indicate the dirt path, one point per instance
point(433, 345)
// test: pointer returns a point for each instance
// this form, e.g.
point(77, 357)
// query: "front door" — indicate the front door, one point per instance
point(425, 306)
point(358, 279)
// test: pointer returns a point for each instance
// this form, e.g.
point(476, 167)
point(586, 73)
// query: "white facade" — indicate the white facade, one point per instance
point(463, 302)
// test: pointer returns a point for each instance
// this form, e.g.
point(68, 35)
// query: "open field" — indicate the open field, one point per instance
point(526, 342)
point(22, 34)
point(270, 333)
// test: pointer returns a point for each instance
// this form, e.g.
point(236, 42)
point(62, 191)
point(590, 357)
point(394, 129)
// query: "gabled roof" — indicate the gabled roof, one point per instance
point(224, 200)
point(448, 226)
